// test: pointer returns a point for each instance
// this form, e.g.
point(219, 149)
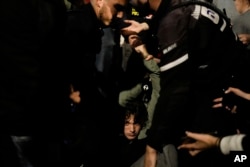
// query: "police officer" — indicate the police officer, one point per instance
point(198, 50)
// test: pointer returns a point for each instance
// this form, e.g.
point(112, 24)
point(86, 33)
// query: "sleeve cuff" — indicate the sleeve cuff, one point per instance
point(231, 143)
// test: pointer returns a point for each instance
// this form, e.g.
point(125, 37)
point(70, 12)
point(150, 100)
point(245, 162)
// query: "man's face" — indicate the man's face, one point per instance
point(150, 5)
point(138, 2)
point(131, 128)
point(145, 7)
point(111, 9)
point(240, 5)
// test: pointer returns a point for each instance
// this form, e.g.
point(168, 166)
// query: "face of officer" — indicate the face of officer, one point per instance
point(147, 4)
point(106, 10)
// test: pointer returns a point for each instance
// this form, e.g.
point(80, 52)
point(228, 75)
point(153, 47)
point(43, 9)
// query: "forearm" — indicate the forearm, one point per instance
point(152, 66)
point(150, 157)
point(128, 95)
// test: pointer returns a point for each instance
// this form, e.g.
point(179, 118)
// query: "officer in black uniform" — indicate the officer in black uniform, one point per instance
point(199, 50)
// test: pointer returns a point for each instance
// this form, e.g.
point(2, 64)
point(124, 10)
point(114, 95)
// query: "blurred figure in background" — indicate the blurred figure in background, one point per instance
point(87, 135)
point(33, 90)
point(241, 25)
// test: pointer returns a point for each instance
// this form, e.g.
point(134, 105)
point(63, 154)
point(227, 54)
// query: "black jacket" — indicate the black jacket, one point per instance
point(130, 151)
point(82, 43)
point(199, 50)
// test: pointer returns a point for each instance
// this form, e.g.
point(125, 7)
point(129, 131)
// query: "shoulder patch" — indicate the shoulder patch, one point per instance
point(210, 14)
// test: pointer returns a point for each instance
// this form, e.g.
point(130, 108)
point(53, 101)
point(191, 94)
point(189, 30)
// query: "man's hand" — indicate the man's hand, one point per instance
point(135, 26)
point(202, 142)
point(219, 101)
point(244, 38)
point(74, 95)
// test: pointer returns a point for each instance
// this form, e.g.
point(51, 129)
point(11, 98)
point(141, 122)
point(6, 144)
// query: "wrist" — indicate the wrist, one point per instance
point(145, 26)
point(218, 142)
point(148, 57)
point(144, 56)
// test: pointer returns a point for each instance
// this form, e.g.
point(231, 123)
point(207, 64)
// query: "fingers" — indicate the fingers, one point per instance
point(196, 136)
point(219, 105)
point(232, 89)
point(234, 109)
point(191, 148)
point(132, 38)
point(243, 38)
point(75, 97)
point(218, 102)
point(129, 21)
point(133, 26)
point(194, 152)
point(187, 146)
point(127, 32)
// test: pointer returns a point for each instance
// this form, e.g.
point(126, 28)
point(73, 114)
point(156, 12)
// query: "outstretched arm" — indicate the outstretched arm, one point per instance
point(202, 142)
point(207, 141)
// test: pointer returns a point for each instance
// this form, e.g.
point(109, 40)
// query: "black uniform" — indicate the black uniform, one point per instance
point(199, 50)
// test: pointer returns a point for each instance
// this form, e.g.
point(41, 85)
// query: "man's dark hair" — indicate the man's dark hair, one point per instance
point(139, 110)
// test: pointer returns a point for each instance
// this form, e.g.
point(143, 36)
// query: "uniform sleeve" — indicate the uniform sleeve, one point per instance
point(232, 143)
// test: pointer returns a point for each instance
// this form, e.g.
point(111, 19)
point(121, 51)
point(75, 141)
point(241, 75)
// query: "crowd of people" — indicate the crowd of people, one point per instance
point(69, 98)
